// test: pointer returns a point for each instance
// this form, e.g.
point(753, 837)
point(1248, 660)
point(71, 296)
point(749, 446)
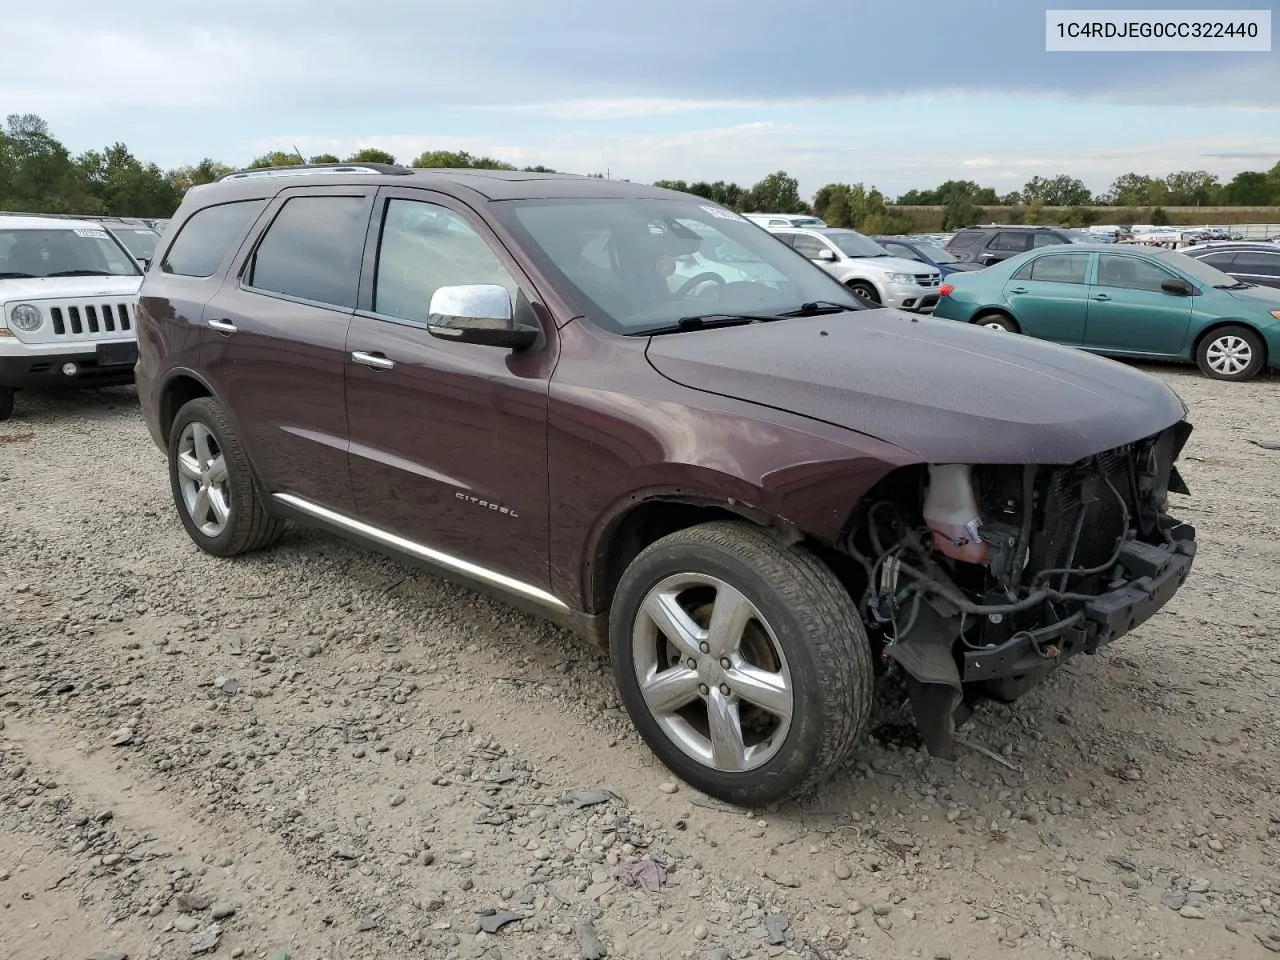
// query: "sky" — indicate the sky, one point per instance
point(893, 95)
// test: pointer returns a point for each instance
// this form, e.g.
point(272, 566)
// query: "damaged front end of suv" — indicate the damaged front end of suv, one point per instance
point(982, 579)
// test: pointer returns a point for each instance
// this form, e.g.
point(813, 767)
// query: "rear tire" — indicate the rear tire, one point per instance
point(1000, 322)
point(212, 483)
point(767, 684)
point(1231, 353)
point(6, 403)
point(865, 292)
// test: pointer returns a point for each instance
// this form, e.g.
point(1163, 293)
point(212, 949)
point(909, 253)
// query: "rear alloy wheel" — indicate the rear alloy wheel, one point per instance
point(6, 403)
point(742, 662)
point(865, 292)
point(1231, 353)
point(212, 484)
point(1000, 322)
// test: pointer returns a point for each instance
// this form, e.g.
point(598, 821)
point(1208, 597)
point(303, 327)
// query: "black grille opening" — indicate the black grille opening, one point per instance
point(1104, 520)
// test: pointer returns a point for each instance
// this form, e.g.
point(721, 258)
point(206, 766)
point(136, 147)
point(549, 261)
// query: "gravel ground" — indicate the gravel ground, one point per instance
point(317, 753)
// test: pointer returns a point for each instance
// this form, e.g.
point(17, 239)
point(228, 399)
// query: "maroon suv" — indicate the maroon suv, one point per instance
point(637, 414)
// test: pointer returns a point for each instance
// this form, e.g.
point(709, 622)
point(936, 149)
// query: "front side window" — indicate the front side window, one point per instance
point(1130, 273)
point(63, 252)
point(424, 247)
point(1220, 260)
point(312, 250)
point(902, 250)
point(618, 259)
point(811, 247)
point(206, 239)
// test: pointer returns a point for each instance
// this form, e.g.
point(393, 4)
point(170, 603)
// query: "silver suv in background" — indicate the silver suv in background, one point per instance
point(771, 220)
point(869, 271)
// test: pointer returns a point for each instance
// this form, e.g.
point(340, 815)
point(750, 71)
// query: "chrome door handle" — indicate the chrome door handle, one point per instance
point(1017, 289)
point(1101, 296)
point(222, 326)
point(374, 360)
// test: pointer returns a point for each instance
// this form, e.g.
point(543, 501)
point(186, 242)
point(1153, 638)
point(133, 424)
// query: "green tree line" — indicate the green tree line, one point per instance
point(38, 174)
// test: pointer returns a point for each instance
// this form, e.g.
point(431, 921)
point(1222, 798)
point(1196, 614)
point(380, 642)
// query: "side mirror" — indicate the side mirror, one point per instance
point(1178, 287)
point(478, 313)
point(827, 255)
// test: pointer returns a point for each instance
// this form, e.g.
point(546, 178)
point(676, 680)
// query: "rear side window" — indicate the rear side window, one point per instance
point(965, 238)
point(312, 250)
point(901, 250)
point(1068, 268)
point(208, 236)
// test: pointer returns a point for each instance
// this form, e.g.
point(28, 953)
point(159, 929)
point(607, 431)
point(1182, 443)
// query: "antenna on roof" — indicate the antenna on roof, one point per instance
point(299, 153)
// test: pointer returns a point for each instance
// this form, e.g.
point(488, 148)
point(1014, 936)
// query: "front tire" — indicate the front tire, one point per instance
point(742, 662)
point(212, 484)
point(865, 292)
point(1231, 353)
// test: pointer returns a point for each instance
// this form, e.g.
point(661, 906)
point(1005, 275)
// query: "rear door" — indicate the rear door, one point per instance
point(1050, 297)
point(1129, 312)
point(1005, 244)
point(280, 323)
point(448, 439)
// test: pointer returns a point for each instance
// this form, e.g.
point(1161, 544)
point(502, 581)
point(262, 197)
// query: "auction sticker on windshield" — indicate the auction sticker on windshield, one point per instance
point(92, 234)
point(1129, 31)
point(722, 213)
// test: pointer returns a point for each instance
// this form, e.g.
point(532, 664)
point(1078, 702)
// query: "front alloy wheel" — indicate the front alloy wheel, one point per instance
point(742, 661)
point(712, 672)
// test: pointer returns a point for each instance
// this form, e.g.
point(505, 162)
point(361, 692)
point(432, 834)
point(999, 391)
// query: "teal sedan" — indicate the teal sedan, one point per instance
point(1124, 302)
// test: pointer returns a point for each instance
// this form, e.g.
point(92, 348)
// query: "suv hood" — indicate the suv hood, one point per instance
point(947, 392)
point(892, 264)
point(61, 288)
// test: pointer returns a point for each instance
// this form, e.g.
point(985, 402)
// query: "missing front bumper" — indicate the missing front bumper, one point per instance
point(1153, 576)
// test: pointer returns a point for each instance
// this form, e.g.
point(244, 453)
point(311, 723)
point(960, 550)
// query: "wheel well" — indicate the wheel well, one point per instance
point(994, 312)
point(1204, 335)
point(859, 282)
point(177, 392)
point(644, 524)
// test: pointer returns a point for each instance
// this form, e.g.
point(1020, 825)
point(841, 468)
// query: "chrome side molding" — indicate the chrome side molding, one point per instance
point(423, 552)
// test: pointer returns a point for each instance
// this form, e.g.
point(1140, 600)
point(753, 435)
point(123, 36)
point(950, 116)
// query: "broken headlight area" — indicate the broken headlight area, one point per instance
point(980, 580)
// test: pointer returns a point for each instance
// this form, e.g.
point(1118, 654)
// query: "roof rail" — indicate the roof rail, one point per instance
point(385, 169)
point(94, 217)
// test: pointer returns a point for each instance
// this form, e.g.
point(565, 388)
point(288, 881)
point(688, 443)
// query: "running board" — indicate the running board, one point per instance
point(422, 552)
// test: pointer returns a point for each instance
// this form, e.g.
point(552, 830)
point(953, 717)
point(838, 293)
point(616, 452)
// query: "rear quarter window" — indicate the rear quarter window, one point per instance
point(965, 238)
point(208, 237)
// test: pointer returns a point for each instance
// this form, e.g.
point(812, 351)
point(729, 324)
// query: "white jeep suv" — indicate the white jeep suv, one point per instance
point(870, 271)
point(67, 295)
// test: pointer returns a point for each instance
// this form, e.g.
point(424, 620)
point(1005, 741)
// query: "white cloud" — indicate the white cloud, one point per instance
point(51, 70)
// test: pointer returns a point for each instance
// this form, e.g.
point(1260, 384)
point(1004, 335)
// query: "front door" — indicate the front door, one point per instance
point(1130, 313)
point(1050, 298)
point(277, 347)
point(448, 440)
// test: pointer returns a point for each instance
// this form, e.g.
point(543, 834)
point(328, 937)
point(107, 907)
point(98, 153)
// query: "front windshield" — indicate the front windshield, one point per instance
point(62, 252)
point(1197, 270)
point(639, 264)
point(854, 244)
point(140, 241)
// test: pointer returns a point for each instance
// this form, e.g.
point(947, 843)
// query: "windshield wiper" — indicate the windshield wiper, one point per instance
point(18, 276)
point(708, 321)
point(818, 307)
point(85, 273)
point(1232, 286)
